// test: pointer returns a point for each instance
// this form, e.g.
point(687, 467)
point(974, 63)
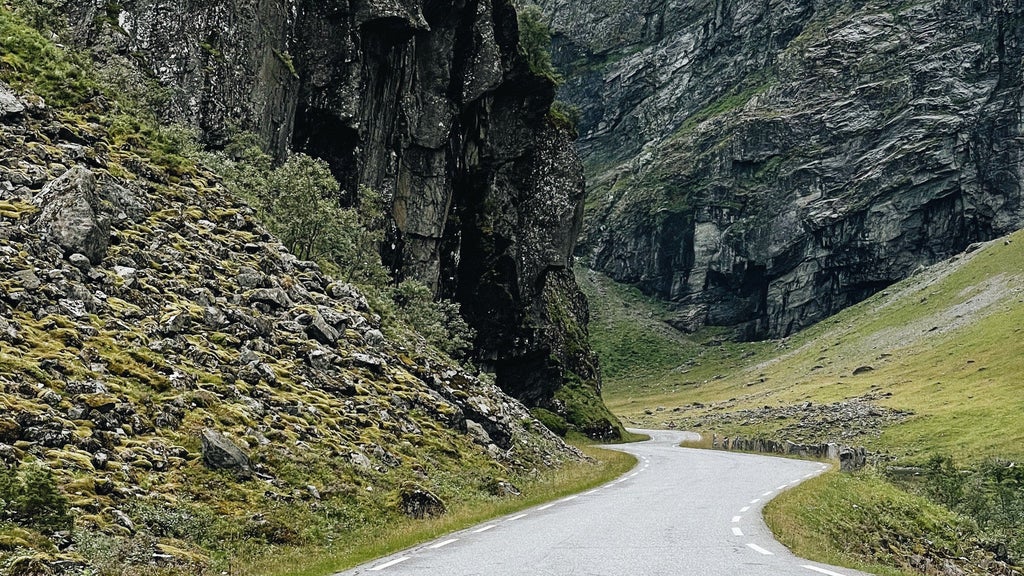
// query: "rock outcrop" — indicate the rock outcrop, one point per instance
point(766, 164)
point(432, 104)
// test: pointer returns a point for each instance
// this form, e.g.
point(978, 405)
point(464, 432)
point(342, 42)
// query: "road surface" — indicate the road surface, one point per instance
point(680, 512)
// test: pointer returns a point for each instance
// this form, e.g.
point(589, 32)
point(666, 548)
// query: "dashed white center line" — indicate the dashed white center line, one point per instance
point(390, 564)
point(822, 571)
point(737, 518)
point(443, 544)
point(514, 518)
point(736, 531)
point(745, 508)
point(758, 549)
point(485, 528)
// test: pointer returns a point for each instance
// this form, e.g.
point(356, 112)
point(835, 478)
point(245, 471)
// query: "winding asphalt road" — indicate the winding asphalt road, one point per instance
point(680, 512)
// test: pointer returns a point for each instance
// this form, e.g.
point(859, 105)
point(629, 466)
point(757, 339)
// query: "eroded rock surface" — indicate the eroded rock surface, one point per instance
point(766, 164)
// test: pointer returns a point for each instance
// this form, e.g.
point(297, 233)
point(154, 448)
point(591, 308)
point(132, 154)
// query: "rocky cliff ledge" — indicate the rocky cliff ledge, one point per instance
point(765, 164)
point(430, 103)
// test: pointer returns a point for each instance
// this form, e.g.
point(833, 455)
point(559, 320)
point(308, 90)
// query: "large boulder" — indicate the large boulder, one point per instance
point(72, 215)
point(418, 502)
point(220, 453)
point(10, 104)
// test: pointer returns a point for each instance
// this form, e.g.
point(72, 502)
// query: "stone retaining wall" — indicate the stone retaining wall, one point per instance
point(850, 458)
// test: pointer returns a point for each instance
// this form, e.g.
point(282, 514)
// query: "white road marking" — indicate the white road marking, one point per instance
point(783, 487)
point(591, 492)
point(822, 571)
point(745, 508)
point(737, 518)
point(390, 564)
point(514, 518)
point(757, 548)
point(736, 531)
point(633, 475)
point(573, 497)
point(809, 475)
point(546, 506)
point(443, 544)
point(485, 528)
point(768, 493)
point(755, 500)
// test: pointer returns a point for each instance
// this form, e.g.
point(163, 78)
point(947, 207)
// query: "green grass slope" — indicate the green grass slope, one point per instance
point(945, 345)
point(926, 375)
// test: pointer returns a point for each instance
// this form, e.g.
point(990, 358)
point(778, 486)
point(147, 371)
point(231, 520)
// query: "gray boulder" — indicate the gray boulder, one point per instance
point(71, 214)
point(418, 502)
point(220, 453)
point(10, 104)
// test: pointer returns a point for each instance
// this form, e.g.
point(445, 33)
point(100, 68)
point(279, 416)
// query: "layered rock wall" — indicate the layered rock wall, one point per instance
point(766, 164)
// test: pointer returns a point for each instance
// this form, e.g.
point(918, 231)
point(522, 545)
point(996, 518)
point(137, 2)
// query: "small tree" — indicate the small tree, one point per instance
point(303, 205)
point(32, 499)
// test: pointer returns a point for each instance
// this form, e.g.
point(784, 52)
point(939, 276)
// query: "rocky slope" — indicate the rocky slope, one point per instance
point(765, 164)
point(195, 388)
point(433, 105)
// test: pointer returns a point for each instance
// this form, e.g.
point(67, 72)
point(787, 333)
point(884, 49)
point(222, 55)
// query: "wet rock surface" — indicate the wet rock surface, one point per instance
point(763, 165)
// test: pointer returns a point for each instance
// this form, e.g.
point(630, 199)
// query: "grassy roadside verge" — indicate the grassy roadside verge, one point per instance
point(360, 548)
point(863, 522)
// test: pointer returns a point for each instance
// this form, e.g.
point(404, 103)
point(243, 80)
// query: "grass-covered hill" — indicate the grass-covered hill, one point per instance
point(926, 375)
point(179, 393)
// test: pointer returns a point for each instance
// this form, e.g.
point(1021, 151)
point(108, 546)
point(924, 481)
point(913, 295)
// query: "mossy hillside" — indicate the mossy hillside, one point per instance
point(195, 319)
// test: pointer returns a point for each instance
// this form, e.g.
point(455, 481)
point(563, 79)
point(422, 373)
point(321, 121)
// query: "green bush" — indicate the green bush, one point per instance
point(31, 499)
point(439, 322)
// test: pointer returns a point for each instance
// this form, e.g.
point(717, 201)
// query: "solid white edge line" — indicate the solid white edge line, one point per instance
point(514, 518)
point(591, 492)
point(745, 509)
point(757, 548)
point(443, 544)
point(573, 497)
point(736, 531)
point(768, 493)
point(737, 518)
point(783, 487)
point(390, 564)
point(485, 528)
point(822, 570)
point(546, 506)
point(755, 500)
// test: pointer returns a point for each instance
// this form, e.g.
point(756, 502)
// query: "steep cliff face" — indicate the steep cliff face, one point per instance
point(430, 103)
point(765, 164)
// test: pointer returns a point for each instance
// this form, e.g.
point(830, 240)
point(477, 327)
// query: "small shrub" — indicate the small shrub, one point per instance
point(439, 322)
point(32, 499)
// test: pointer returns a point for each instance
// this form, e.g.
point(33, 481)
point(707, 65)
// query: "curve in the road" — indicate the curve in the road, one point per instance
point(679, 512)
